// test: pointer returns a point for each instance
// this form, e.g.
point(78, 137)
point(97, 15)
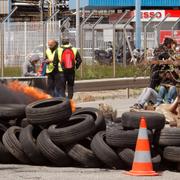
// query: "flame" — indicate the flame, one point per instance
point(73, 105)
point(28, 90)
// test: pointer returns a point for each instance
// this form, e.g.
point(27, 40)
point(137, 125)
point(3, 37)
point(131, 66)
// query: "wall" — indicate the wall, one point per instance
point(3, 7)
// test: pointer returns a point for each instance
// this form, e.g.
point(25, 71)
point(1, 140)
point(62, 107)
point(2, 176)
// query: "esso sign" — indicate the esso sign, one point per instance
point(149, 14)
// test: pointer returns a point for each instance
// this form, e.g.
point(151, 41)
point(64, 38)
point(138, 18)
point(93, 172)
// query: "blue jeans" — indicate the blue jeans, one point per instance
point(167, 94)
point(147, 95)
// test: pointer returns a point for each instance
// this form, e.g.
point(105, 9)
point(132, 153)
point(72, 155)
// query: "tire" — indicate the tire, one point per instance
point(5, 155)
point(104, 152)
point(127, 155)
point(11, 142)
point(76, 129)
point(12, 111)
point(50, 111)
point(167, 137)
point(52, 152)
point(100, 124)
point(27, 138)
point(172, 153)
point(24, 123)
point(131, 120)
point(117, 137)
point(84, 156)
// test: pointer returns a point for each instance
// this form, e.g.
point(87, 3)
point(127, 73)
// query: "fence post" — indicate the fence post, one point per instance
point(173, 27)
point(93, 27)
point(157, 28)
point(82, 39)
point(25, 40)
point(2, 49)
point(2, 39)
point(145, 35)
point(114, 42)
point(128, 43)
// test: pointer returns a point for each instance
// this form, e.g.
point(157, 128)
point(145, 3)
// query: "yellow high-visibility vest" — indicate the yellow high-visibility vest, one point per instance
point(50, 66)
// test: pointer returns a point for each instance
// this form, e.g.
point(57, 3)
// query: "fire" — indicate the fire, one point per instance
point(28, 90)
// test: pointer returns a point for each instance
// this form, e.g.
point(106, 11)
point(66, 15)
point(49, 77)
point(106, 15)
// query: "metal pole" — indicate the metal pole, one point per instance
point(41, 10)
point(2, 38)
point(124, 50)
point(127, 40)
point(138, 24)
point(9, 15)
point(77, 24)
point(9, 8)
point(64, 23)
point(157, 27)
point(96, 23)
point(45, 32)
point(173, 27)
point(114, 41)
point(2, 49)
point(82, 39)
point(145, 35)
point(25, 40)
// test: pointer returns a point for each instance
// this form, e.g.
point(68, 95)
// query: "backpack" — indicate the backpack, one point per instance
point(68, 59)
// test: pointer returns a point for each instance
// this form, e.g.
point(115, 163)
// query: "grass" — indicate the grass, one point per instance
point(102, 71)
point(93, 71)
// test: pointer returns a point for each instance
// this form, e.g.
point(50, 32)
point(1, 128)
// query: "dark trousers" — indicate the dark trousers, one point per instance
point(56, 84)
point(69, 81)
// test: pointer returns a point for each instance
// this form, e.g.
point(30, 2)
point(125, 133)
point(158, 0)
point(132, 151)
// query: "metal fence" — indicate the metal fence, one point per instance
point(22, 39)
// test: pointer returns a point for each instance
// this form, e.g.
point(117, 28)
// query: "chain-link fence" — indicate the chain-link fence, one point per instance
point(23, 39)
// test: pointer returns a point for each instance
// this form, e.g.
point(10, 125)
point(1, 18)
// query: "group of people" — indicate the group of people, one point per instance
point(59, 65)
point(163, 77)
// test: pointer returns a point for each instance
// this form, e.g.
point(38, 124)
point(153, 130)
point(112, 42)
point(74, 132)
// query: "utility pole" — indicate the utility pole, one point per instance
point(77, 24)
point(138, 24)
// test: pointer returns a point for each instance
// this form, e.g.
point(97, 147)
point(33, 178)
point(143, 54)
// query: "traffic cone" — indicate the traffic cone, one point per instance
point(142, 164)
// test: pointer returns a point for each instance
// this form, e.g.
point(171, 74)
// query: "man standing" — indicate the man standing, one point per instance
point(70, 60)
point(54, 70)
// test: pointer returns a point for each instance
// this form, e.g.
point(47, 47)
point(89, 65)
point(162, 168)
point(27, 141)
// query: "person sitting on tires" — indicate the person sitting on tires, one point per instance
point(156, 93)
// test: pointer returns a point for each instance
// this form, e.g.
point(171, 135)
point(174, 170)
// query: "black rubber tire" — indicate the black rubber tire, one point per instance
point(127, 155)
point(76, 129)
point(28, 142)
point(52, 152)
point(12, 111)
point(104, 152)
point(117, 137)
point(49, 111)
point(84, 156)
point(172, 153)
point(5, 155)
point(167, 137)
point(131, 120)
point(100, 124)
point(24, 123)
point(13, 145)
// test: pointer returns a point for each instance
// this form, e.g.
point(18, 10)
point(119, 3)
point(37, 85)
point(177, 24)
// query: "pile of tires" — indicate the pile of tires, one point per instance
point(47, 132)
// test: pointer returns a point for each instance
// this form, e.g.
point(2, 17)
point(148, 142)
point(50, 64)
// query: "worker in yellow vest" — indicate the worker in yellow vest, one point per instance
point(70, 60)
point(54, 70)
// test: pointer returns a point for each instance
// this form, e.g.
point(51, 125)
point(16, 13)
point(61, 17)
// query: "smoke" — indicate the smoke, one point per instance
point(8, 96)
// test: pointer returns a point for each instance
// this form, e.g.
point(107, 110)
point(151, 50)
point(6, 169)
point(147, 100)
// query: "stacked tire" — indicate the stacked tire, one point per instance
point(168, 141)
point(122, 135)
point(46, 132)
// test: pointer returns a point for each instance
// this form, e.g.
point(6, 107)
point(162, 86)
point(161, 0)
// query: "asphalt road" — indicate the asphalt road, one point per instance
point(23, 172)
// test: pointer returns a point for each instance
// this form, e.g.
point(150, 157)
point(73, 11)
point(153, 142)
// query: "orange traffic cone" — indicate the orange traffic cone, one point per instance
point(142, 164)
